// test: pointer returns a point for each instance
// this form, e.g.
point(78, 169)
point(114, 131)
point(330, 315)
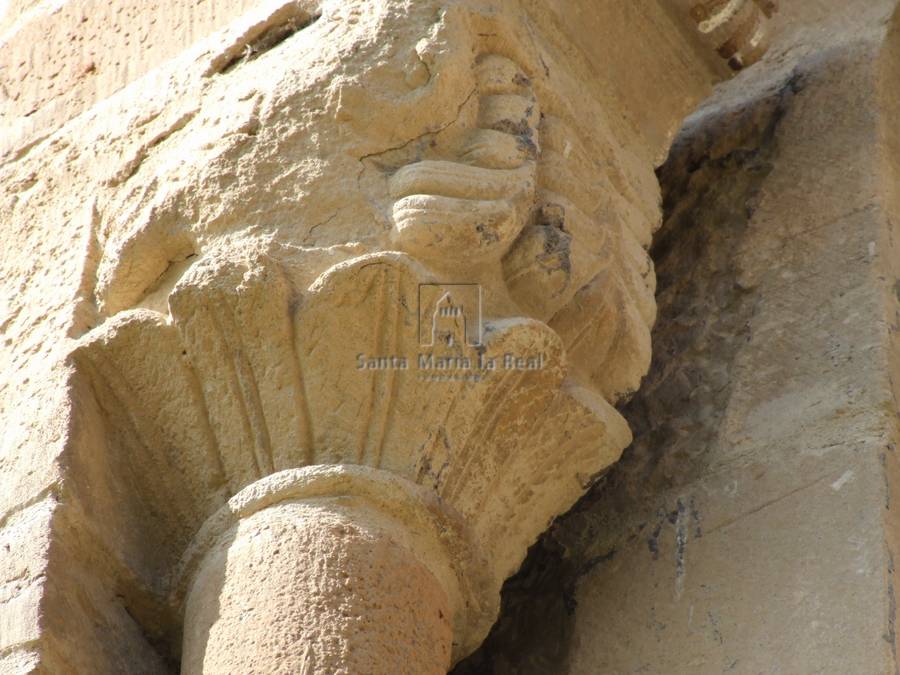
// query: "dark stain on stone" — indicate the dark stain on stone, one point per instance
point(528, 146)
point(887, 481)
point(488, 235)
point(890, 635)
point(518, 128)
point(653, 542)
point(681, 539)
point(714, 624)
point(695, 516)
point(673, 515)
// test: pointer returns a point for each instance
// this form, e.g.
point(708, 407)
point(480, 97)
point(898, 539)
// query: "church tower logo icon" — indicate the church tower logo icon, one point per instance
point(450, 315)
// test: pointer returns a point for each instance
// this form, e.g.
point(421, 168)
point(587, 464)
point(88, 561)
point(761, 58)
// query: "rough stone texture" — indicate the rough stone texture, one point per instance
point(334, 593)
point(751, 526)
point(26, 532)
point(60, 58)
point(203, 247)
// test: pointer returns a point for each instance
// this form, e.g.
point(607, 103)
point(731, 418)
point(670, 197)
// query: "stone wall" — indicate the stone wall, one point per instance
point(60, 58)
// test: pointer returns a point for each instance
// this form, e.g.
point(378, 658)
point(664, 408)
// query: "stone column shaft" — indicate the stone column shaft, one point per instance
point(317, 586)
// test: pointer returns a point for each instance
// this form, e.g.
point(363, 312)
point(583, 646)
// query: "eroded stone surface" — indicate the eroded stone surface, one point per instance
point(223, 262)
point(329, 579)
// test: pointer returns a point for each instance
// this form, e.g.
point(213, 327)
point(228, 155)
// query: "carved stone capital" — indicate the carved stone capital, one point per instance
point(377, 385)
point(250, 380)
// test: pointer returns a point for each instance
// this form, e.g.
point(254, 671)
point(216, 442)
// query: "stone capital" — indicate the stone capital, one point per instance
point(360, 285)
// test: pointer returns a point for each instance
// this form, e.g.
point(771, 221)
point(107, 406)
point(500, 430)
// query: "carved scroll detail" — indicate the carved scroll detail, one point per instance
point(470, 209)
